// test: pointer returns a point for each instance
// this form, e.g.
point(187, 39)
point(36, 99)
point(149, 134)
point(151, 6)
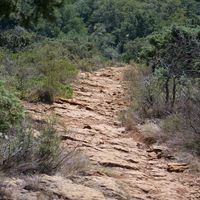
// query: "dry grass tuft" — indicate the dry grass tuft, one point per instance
point(76, 163)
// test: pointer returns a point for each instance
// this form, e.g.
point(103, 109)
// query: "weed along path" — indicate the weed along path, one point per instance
point(111, 165)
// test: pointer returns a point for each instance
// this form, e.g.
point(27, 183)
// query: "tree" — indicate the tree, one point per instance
point(27, 11)
point(178, 56)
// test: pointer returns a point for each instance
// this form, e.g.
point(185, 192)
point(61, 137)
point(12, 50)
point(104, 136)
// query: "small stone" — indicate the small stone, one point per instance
point(116, 123)
point(87, 127)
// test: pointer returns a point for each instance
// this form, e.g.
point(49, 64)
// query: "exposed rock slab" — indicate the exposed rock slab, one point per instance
point(121, 168)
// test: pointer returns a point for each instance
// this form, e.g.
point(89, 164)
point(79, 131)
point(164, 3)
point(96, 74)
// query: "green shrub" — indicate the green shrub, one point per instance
point(48, 151)
point(44, 73)
point(135, 49)
point(16, 38)
point(11, 110)
point(172, 124)
point(79, 47)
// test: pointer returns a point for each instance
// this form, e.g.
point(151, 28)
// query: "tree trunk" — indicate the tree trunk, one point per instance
point(173, 93)
point(167, 91)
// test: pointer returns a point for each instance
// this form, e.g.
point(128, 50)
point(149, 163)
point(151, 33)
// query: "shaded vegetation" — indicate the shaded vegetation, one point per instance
point(169, 88)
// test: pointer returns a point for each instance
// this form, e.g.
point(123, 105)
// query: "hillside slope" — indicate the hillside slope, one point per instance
point(119, 168)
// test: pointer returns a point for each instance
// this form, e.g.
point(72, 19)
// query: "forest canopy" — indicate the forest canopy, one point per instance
point(111, 24)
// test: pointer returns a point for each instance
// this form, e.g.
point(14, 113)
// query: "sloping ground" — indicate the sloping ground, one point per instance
point(120, 167)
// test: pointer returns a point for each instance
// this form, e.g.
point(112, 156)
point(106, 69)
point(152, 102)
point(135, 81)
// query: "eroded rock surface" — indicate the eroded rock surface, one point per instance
point(120, 168)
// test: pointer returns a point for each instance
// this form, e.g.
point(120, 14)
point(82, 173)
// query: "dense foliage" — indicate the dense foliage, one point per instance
point(111, 24)
point(11, 110)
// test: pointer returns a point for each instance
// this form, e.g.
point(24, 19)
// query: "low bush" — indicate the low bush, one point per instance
point(44, 72)
point(180, 125)
point(26, 148)
point(91, 64)
point(23, 153)
point(48, 151)
point(11, 110)
point(78, 47)
point(16, 38)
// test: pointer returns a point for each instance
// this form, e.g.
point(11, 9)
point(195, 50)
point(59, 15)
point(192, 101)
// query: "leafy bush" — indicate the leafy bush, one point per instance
point(78, 47)
point(135, 49)
point(11, 110)
point(16, 38)
point(44, 72)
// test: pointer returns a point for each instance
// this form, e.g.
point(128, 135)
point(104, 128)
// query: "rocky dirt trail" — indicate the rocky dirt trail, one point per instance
point(119, 168)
